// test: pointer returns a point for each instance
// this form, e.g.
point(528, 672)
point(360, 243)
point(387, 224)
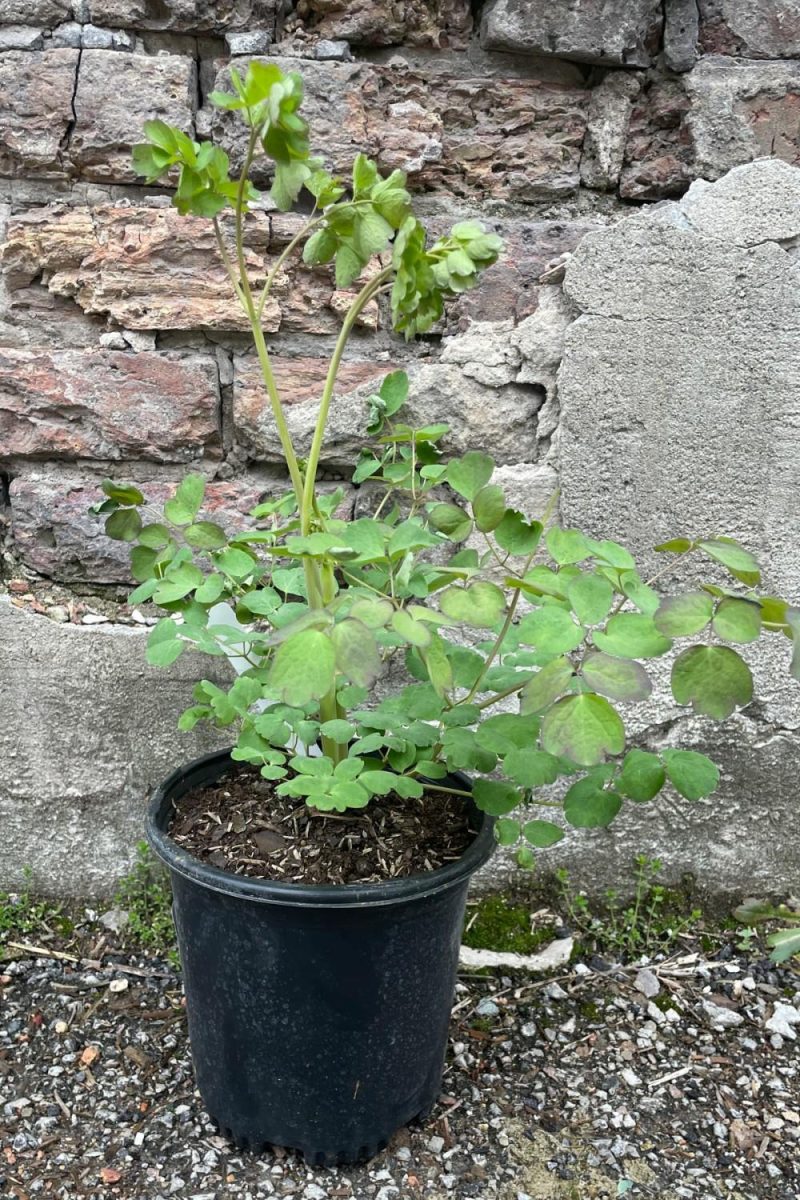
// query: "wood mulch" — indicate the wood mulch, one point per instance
point(241, 825)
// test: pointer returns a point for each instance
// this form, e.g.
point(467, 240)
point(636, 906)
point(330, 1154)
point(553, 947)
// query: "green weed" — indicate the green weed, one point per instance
point(652, 921)
point(146, 897)
point(23, 916)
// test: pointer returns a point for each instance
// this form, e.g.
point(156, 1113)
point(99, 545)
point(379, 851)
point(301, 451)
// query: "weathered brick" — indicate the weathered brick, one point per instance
point(34, 12)
point(151, 268)
point(116, 94)
point(757, 29)
point(659, 155)
point(36, 89)
point(476, 137)
point(620, 32)
point(440, 23)
point(185, 16)
point(501, 421)
point(741, 110)
point(53, 532)
point(108, 405)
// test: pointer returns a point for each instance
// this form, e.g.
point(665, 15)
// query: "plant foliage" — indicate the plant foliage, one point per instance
point(526, 645)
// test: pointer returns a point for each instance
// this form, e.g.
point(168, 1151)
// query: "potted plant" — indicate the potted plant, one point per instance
point(320, 866)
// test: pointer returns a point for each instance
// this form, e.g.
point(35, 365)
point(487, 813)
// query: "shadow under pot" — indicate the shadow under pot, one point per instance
point(318, 1015)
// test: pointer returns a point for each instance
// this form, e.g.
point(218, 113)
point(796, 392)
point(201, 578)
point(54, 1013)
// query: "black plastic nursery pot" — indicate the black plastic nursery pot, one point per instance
point(318, 1015)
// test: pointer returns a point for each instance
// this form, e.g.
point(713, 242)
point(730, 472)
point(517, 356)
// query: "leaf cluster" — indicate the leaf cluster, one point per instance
point(350, 226)
point(527, 644)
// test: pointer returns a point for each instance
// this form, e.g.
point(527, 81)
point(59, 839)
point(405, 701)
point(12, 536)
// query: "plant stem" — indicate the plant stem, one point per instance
point(281, 259)
point(362, 299)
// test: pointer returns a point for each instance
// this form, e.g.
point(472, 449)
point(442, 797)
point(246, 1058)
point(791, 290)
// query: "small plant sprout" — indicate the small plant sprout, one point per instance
point(524, 643)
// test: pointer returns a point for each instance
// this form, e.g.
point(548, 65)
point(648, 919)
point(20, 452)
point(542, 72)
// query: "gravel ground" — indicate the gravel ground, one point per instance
point(677, 1079)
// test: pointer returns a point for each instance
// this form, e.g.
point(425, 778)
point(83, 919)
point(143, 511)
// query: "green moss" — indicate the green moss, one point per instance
point(494, 924)
point(588, 1009)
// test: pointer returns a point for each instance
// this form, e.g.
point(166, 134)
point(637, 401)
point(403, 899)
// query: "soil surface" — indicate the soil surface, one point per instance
point(242, 825)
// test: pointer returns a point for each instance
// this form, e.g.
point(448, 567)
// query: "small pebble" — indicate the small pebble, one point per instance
point(647, 983)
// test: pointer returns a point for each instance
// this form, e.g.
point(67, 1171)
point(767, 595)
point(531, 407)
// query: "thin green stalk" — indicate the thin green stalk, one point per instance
point(281, 259)
point(362, 299)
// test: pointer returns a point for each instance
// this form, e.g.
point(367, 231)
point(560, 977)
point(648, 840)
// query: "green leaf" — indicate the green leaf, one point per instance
point(525, 858)
point(713, 679)
point(467, 475)
point(785, 943)
point(178, 583)
point(143, 592)
point(693, 775)
point(451, 520)
point(738, 561)
point(567, 545)
point(438, 665)
point(122, 493)
point(773, 614)
point(583, 728)
point(547, 685)
point(320, 247)
point(238, 564)
point(210, 590)
point(205, 535)
point(737, 620)
point(303, 668)
point(507, 832)
point(408, 788)
point(371, 234)
point(642, 776)
point(411, 631)
point(338, 731)
point(531, 768)
point(612, 554)
point(143, 561)
point(411, 535)
point(678, 545)
point(516, 535)
point(682, 616)
point(154, 536)
point(590, 598)
point(632, 635)
point(588, 805)
point(462, 752)
point(542, 834)
point(185, 504)
point(641, 594)
point(489, 507)
point(480, 604)
point(163, 643)
point(123, 525)
point(357, 654)
point(496, 798)
point(550, 629)
point(505, 732)
point(617, 678)
point(372, 613)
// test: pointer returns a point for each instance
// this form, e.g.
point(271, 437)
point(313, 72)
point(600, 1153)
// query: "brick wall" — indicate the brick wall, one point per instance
point(122, 351)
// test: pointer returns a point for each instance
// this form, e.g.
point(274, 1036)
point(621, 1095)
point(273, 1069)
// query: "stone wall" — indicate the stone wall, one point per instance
point(641, 356)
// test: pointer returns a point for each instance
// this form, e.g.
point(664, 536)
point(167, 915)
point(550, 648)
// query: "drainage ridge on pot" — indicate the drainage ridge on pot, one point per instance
point(318, 1015)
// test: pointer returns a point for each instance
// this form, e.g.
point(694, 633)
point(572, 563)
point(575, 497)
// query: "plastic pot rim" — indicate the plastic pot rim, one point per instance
point(301, 895)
